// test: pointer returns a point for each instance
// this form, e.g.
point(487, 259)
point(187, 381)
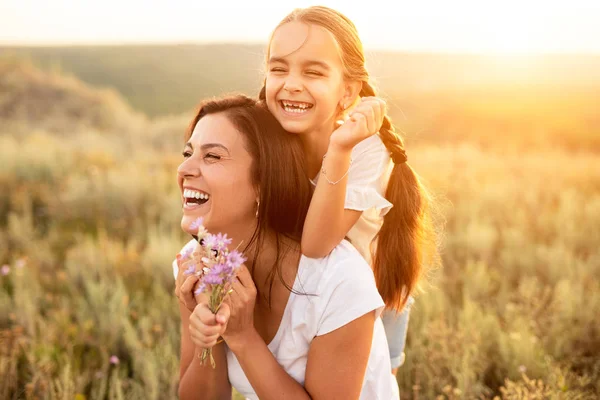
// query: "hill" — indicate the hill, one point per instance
point(520, 102)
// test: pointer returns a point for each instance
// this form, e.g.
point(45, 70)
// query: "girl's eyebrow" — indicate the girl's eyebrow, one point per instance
point(277, 60)
point(321, 64)
point(308, 63)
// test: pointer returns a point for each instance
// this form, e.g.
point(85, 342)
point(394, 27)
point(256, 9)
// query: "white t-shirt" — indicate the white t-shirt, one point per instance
point(367, 182)
point(340, 288)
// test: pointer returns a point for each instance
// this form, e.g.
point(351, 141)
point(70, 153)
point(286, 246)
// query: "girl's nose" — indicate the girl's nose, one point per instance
point(292, 85)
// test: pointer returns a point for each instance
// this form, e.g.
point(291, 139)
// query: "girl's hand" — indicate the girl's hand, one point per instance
point(238, 309)
point(363, 121)
point(206, 327)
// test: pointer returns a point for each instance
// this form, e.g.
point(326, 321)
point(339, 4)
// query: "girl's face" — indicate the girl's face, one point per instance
point(305, 85)
point(215, 178)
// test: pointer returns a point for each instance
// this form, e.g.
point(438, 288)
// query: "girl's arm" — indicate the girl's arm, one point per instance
point(327, 222)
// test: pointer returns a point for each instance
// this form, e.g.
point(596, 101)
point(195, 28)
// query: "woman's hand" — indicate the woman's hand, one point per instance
point(206, 327)
point(186, 283)
point(238, 309)
point(364, 121)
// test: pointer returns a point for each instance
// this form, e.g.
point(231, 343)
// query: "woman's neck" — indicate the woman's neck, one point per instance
point(262, 266)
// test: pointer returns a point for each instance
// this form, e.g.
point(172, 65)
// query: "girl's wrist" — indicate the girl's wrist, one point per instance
point(338, 148)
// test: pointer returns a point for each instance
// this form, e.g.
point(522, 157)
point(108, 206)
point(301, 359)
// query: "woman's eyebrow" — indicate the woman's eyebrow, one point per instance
point(208, 146)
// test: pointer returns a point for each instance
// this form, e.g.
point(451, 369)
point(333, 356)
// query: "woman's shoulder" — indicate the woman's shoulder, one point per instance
point(343, 266)
point(341, 288)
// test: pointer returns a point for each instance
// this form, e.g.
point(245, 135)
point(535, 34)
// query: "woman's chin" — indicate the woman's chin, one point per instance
point(186, 222)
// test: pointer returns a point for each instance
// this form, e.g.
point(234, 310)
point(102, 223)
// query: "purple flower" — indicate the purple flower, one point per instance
point(114, 360)
point(213, 279)
point(201, 289)
point(190, 270)
point(5, 270)
point(222, 242)
point(235, 259)
point(210, 241)
point(522, 369)
point(198, 222)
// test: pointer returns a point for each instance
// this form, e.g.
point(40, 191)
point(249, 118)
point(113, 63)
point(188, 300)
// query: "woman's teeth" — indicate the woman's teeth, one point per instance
point(195, 195)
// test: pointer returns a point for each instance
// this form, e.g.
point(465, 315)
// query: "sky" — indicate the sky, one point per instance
point(474, 26)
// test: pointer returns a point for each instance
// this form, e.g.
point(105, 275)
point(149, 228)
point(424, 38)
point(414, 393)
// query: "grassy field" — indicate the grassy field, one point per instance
point(89, 225)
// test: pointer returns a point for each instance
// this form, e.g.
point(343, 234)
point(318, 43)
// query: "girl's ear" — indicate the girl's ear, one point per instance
point(351, 92)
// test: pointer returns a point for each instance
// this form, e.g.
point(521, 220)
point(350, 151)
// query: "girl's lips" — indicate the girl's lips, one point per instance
point(294, 112)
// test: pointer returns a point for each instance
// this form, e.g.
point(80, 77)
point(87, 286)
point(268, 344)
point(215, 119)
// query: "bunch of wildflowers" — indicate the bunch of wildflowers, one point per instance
point(216, 267)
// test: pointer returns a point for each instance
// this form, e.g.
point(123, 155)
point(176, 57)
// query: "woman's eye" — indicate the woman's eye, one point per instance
point(186, 154)
point(212, 156)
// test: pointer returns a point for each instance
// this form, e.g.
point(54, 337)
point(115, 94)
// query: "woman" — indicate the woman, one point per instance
point(293, 326)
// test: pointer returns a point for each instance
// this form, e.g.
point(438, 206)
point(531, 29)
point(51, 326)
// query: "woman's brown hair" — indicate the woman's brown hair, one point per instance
point(278, 172)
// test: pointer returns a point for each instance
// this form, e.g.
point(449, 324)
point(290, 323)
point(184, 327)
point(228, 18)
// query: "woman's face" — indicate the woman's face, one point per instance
point(215, 178)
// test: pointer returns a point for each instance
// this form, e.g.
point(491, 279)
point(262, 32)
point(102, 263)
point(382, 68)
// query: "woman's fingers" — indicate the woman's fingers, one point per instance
point(244, 276)
point(186, 292)
point(223, 314)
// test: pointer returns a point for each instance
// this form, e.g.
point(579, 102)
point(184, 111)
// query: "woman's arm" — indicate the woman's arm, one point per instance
point(268, 379)
point(199, 381)
point(336, 365)
point(337, 361)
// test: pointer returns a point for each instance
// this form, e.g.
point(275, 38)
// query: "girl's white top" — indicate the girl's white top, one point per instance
point(367, 182)
point(329, 293)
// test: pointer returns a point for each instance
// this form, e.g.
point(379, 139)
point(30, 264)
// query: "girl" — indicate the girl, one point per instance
point(365, 190)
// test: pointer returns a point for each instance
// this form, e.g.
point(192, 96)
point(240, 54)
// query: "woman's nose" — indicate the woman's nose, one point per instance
point(187, 169)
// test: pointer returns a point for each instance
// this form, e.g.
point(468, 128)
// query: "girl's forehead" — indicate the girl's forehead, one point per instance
point(299, 39)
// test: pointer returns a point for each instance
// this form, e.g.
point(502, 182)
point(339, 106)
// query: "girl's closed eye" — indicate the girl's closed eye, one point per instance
point(314, 73)
point(278, 70)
